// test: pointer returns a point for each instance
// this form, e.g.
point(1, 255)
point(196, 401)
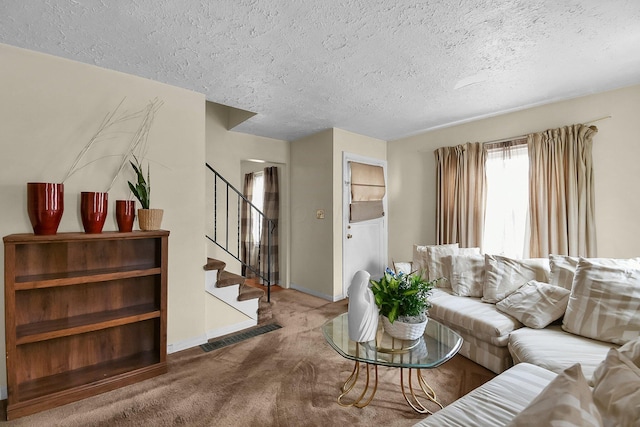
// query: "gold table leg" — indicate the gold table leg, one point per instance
point(361, 401)
point(412, 399)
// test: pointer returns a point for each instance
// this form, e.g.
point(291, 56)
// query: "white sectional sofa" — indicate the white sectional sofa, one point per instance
point(528, 395)
point(544, 315)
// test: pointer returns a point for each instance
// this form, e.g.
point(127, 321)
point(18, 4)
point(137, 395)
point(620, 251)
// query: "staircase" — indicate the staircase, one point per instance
point(232, 289)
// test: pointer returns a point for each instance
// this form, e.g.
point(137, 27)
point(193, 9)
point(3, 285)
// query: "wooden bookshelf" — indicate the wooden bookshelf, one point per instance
point(84, 314)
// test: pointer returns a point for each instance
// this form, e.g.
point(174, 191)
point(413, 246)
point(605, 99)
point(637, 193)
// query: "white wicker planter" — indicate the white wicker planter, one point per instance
point(402, 330)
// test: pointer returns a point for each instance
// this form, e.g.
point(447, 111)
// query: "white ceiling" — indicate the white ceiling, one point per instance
point(382, 68)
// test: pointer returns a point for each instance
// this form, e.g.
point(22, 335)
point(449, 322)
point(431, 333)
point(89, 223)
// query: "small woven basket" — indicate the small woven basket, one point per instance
point(402, 330)
point(150, 219)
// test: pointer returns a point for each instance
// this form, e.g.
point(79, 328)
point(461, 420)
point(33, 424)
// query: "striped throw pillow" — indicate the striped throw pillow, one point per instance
point(616, 391)
point(503, 275)
point(536, 304)
point(566, 402)
point(605, 301)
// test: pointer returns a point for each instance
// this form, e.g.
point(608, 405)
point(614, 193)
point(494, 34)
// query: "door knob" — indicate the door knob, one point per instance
point(349, 236)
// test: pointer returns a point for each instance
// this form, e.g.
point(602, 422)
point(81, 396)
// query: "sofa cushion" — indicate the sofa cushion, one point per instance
point(496, 402)
point(504, 275)
point(536, 304)
point(616, 390)
point(566, 401)
point(481, 320)
point(466, 274)
point(495, 358)
point(605, 301)
point(556, 350)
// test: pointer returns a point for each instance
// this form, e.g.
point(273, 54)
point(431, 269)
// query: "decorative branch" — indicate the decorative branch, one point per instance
point(138, 143)
point(139, 140)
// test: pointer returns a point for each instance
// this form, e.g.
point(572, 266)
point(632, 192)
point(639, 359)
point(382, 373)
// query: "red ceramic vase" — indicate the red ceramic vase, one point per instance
point(93, 211)
point(125, 214)
point(45, 205)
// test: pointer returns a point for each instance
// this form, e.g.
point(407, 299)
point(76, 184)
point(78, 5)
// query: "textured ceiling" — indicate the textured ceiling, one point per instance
point(382, 68)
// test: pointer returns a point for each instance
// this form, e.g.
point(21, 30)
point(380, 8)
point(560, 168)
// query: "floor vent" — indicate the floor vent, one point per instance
point(241, 336)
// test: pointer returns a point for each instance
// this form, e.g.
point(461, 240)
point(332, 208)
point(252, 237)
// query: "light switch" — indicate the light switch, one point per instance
point(320, 214)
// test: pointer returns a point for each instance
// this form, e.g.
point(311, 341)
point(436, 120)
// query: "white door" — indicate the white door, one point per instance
point(364, 244)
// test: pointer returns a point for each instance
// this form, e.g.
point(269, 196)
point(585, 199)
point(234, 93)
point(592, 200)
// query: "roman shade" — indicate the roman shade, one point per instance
point(367, 191)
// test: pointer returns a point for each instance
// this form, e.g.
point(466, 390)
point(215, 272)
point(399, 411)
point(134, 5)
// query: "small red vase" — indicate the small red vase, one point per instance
point(45, 205)
point(125, 214)
point(93, 211)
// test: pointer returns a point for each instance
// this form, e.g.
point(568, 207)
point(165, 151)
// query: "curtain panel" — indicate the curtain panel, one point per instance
point(562, 202)
point(269, 237)
point(460, 194)
point(249, 251)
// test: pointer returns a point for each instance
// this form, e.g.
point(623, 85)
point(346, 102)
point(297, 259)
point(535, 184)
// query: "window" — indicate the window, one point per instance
point(507, 203)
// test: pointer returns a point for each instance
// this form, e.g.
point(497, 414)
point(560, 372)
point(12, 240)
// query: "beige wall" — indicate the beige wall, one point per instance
point(312, 260)
point(50, 107)
point(616, 151)
point(316, 183)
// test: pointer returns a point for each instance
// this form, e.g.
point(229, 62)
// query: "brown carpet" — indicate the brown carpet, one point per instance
point(286, 377)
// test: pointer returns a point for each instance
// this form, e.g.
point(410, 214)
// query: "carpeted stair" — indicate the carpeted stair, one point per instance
point(245, 292)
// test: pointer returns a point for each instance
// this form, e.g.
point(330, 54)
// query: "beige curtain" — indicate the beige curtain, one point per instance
point(271, 211)
point(460, 194)
point(249, 252)
point(367, 191)
point(562, 212)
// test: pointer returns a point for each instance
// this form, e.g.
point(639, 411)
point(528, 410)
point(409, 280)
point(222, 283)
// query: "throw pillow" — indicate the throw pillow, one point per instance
point(563, 268)
point(435, 263)
point(616, 390)
point(566, 401)
point(605, 301)
point(469, 251)
point(536, 304)
point(631, 351)
point(402, 267)
point(419, 262)
point(467, 274)
point(504, 275)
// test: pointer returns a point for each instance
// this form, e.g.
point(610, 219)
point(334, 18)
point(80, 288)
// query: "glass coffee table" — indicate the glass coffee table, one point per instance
point(436, 346)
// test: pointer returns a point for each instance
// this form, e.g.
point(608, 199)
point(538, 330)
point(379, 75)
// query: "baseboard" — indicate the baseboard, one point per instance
point(202, 339)
point(186, 344)
point(316, 293)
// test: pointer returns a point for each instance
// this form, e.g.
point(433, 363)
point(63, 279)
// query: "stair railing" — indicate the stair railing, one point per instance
point(221, 237)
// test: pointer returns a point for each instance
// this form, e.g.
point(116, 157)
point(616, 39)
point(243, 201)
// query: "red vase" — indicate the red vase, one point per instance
point(125, 214)
point(93, 211)
point(45, 205)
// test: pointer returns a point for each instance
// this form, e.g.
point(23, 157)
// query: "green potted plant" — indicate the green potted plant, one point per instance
point(403, 300)
point(148, 219)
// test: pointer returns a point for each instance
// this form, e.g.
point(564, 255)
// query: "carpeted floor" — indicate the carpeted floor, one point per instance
point(285, 377)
